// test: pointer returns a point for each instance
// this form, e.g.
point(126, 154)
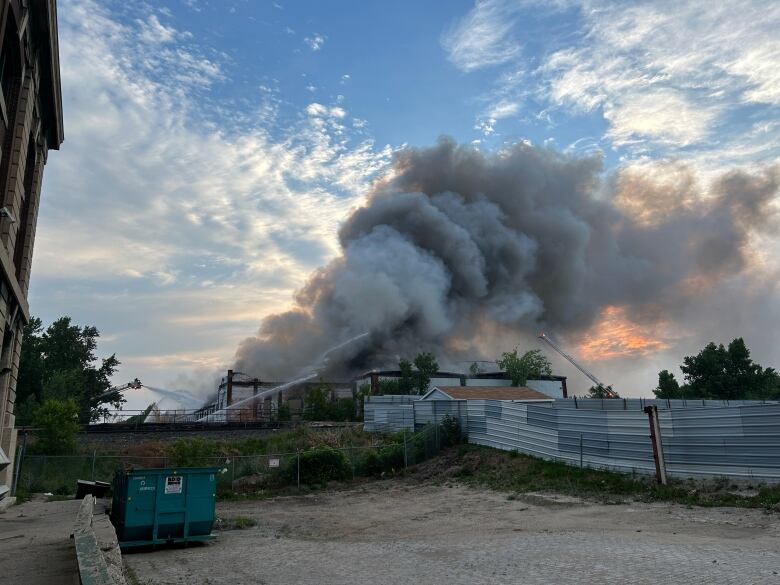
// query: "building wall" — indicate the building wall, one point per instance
point(30, 125)
point(552, 388)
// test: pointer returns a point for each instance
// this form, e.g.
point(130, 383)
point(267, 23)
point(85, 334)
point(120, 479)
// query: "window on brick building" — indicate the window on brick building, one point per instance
point(10, 84)
point(24, 208)
point(10, 68)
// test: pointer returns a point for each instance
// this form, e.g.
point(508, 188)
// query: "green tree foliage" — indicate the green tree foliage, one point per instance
point(60, 363)
point(317, 405)
point(475, 369)
point(406, 381)
point(450, 431)
point(388, 386)
point(602, 392)
point(520, 368)
point(721, 373)
point(425, 367)
point(415, 376)
point(283, 413)
point(57, 424)
point(668, 386)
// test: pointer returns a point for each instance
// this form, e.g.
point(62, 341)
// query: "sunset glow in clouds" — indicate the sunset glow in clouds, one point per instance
point(213, 150)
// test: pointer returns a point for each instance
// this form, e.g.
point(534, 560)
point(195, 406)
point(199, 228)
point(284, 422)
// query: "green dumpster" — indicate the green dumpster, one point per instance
point(162, 506)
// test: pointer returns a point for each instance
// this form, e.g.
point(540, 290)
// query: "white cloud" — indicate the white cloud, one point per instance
point(150, 195)
point(759, 66)
point(315, 41)
point(503, 109)
point(483, 37)
point(152, 31)
point(315, 109)
point(664, 75)
point(668, 71)
point(664, 116)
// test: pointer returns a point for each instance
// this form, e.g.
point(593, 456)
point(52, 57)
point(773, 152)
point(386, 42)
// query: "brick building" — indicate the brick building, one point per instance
point(30, 125)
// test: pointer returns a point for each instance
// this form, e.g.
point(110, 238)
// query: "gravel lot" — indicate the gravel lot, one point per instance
point(400, 532)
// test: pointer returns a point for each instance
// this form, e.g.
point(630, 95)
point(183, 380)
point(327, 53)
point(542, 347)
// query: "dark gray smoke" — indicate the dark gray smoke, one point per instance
point(458, 247)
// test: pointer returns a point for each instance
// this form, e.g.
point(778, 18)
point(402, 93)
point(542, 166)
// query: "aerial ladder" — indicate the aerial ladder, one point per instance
point(544, 337)
point(182, 396)
point(134, 384)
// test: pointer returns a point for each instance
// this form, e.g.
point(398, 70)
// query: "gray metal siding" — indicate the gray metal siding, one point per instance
point(700, 438)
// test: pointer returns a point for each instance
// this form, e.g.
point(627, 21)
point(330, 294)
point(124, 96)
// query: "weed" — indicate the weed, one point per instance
point(235, 523)
point(518, 473)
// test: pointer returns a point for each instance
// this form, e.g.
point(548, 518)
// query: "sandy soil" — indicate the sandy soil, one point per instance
point(400, 532)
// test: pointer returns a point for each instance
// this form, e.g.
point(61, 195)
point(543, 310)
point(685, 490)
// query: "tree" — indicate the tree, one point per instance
point(426, 366)
point(668, 387)
point(721, 373)
point(475, 369)
point(602, 392)
point(362, 394)
point(317, 403)
point(57, 424)
point(60, 363)
point(406, 381)
point(532, 364)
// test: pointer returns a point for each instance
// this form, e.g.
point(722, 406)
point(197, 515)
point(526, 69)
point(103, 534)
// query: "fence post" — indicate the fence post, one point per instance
point(298, 454)
point(94, 455)
point(655, 439)
point(405, 457)
point(20, 459)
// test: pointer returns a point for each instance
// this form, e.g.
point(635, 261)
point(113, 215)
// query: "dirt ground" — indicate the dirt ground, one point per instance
point(35, 544)
point(395, 531)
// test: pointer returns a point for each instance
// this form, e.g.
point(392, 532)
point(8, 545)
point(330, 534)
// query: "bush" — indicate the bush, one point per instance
point(344, 409)
point(392, 457)
point(194, 452)
point(370, 464)
point(283, 414)
point(63, 490)
point(57, 424)
point(387, 459)
point(318, 466)
point(450, 431)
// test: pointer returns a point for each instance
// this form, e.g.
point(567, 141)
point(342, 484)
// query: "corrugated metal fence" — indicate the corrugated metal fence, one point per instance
point(700, 439)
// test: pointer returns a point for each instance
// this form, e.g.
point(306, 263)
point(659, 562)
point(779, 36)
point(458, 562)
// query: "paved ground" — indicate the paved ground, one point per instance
point(393, 532)
point(35, 544)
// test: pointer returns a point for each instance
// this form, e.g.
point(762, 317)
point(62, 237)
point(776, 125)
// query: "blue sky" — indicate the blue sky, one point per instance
point(213, 147)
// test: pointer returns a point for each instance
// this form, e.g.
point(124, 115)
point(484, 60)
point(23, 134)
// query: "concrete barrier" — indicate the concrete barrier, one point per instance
point(97, 549)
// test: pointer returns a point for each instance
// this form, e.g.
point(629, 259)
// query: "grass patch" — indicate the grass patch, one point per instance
point(235, 523)
point(518, 473)
point(22, 496)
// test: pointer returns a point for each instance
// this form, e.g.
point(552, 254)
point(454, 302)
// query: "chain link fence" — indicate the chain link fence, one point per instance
point(241, 473)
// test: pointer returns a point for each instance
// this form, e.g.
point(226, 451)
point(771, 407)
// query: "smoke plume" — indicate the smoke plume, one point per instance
point(456, 247)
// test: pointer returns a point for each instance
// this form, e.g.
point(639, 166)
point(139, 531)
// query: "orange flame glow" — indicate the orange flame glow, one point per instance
point(616, 336)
